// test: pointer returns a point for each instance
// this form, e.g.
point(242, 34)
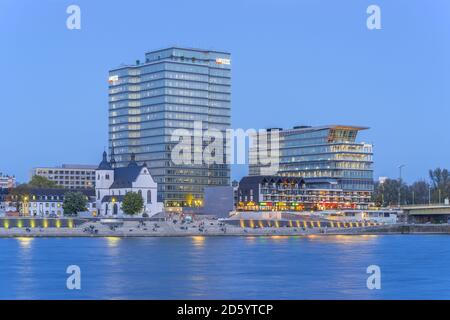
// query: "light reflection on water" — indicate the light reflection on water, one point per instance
point(272, 267)
point(25, 242)
point(113, 242)
point(24, 265)
point(198, 241)
point(343, 239)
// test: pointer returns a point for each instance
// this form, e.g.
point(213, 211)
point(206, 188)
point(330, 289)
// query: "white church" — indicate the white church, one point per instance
point(113, 183)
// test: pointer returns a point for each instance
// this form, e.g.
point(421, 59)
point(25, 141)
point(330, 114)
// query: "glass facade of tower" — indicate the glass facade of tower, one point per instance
point(328, 158)
point(171, 90)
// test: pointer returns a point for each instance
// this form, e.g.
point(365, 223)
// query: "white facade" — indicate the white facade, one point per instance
point(377, 216)
point(46, 202)
point(112, 184)
point(46, 207)
point(7, 182)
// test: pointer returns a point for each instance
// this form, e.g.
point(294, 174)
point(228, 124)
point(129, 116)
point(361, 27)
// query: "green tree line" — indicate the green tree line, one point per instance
point(435, 190)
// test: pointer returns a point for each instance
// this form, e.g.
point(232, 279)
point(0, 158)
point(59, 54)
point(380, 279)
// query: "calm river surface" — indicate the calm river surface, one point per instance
point(314, 267)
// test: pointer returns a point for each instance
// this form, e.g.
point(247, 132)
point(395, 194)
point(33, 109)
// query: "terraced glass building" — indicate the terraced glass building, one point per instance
point(330, 160)
point(171, 89)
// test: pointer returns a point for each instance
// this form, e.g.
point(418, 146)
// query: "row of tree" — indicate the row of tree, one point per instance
point(390, 191)
point(75, 202)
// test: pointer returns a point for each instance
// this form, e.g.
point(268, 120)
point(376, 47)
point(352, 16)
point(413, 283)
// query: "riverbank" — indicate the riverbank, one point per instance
point(402, 229)
point(210, 228)
point(154, 229)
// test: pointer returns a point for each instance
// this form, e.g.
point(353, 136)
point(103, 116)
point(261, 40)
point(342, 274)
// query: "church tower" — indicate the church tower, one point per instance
point(104, 178)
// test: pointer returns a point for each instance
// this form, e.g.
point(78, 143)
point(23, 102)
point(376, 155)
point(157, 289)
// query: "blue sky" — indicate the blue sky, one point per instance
point(294, 62)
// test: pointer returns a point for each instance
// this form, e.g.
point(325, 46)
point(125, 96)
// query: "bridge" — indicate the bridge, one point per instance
point(434, 213)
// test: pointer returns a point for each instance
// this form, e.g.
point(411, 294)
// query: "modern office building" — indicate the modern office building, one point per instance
point(171, 89)
point(328, 158)
point(68, 176)
point(7, 181)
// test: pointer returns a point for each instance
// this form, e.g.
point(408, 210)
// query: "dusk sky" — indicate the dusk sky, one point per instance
point(294, 62)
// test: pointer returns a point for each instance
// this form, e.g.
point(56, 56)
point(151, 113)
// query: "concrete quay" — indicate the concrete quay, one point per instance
point(207, 227)
point(153, 229)
point(401, 228)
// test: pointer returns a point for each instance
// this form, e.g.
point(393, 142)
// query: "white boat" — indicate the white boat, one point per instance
point(384, 216)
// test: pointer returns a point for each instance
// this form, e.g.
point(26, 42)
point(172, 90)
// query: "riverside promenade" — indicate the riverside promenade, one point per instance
point(206, 227)
point(152, 229)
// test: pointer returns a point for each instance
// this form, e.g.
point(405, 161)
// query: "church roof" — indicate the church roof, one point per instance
point(124, 177)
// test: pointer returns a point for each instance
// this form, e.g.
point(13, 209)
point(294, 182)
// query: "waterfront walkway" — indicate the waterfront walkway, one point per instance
point(206, 228)
point(152, 229)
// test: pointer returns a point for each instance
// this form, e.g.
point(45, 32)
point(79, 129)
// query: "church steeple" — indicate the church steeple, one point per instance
point(104, 165)
point(112, 160)
point(133, 160)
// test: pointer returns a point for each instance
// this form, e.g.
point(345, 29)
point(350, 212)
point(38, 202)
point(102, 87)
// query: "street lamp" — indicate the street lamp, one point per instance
point(400, 184)
point(429, 195)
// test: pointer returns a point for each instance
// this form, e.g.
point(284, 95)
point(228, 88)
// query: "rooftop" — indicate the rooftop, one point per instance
point(271, 179)
point(58, 191)
point(139, 64)
point(123, 176)
point(187, 48)
point(316, 128)
point(70, 166)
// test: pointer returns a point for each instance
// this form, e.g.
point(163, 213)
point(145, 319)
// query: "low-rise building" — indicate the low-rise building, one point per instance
point(7, 181)
point(112, 184)
point(69, 176)
point(45, 202)
point(268, 193)
point(3, 201)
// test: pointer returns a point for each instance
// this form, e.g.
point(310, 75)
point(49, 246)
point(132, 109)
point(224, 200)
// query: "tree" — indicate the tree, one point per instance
point(74, 202)
point(41, 182)
point(420, 192)
point(386, 193)
point(440, 181)
point(439, 177)
point(133, 203)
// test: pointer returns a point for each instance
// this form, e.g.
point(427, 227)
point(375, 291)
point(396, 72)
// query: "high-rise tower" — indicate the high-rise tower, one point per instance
point(171, 89)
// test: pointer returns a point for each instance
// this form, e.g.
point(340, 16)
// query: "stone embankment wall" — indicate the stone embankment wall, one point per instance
point(410, 228)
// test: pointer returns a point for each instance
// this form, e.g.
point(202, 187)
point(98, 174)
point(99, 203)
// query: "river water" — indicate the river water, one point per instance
point(313, 267)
